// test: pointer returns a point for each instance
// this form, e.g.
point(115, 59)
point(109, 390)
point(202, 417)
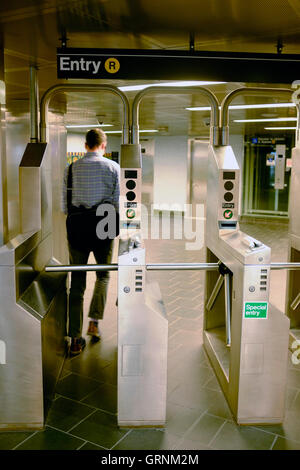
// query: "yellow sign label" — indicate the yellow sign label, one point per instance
point(112, 65)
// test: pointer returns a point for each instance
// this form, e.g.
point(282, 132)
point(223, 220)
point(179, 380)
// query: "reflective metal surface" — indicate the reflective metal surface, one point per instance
point(17, 137)
point(198, 155)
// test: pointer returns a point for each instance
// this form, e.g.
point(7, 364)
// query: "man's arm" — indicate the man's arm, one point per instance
point(116, 190)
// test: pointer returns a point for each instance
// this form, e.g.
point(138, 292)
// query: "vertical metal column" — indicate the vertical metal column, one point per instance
point(3, 170)
point(34, 105)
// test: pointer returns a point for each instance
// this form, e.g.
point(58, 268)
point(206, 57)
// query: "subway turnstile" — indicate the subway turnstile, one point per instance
point(245, 337)
point(33, 303)
point(142, 322)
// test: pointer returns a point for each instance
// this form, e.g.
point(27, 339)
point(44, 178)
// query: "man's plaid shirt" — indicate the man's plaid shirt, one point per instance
point(95, 179)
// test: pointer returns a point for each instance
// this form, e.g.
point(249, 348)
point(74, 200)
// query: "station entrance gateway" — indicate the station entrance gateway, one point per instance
point(249, 357)
point(246, 338)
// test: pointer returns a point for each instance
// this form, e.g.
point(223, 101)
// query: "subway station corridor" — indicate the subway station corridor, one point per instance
point(83, 413)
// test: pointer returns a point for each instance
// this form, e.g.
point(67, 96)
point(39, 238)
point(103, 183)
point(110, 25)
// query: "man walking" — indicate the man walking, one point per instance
point(94, 180)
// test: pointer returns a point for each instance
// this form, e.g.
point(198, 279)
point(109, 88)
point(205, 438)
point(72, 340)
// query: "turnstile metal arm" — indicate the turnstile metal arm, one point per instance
point(162, 267)
point(296, 302)
point(149, 267)
point(215, 292)
point(82, 267)
point(227, 309)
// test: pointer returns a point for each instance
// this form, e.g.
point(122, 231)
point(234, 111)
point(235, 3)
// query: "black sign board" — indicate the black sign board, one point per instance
point(133, 64)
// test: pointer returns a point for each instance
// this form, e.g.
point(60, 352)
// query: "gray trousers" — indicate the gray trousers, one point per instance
point(103, 255)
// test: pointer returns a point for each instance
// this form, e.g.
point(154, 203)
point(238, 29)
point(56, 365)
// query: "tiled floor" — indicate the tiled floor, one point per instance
point(83, 414)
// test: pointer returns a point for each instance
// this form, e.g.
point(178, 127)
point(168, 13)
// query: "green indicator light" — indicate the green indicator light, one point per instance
point(130, 213)
point(227, 214)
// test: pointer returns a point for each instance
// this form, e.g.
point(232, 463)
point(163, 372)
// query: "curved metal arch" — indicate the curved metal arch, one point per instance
point(87, 88)
point(175, 90)
point(250, 91)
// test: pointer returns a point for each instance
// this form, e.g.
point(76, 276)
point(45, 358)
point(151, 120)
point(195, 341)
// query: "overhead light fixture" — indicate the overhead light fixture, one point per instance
point(140, 131)
point(267, 119)
point(245, 106)
point(175, 84)
point(280, 128)
point(91, 126)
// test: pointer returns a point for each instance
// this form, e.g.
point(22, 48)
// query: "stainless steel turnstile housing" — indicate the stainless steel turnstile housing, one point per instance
point(293, 277)
point(33, 302)
point(142, 322)
point(245, 337)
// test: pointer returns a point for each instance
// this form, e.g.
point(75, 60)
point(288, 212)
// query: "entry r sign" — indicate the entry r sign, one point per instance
point(152, 64)
point(67, 64)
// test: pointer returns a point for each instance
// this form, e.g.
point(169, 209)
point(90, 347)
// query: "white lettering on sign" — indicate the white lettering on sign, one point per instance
point(67, 64)
point(2, 352)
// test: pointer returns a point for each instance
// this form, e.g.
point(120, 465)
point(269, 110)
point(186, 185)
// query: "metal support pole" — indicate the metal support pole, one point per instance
point(296, 302)
point(227, 309)
point(215, 292)
point(34, 105)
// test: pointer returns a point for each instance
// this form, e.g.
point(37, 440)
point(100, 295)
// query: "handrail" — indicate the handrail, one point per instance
point(175, 90)
point(224, 115)
point(76, 88)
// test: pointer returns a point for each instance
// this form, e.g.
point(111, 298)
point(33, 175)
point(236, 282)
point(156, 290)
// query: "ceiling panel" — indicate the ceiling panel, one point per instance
point(32, 29)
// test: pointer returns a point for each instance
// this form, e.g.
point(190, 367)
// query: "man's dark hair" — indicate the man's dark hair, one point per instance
point(95, 137)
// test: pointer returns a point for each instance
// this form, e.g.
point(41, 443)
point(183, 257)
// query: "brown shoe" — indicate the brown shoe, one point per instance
point(77, 345)
point(93, 330)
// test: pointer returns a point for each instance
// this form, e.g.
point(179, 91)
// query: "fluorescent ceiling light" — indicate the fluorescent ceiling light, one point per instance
point(143, 130)
point(267, 119)
point(175, 84)
point(91, 126)
point(246, 106)
point(280, 128)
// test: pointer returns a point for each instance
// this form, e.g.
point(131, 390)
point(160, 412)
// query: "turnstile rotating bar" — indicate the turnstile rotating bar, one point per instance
point(227, 309)
point(82, 267)
point(215, 292)
point(149, 267)
point(183, 267)
point(162, 267)
point(296, 302)
point(288, 266)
